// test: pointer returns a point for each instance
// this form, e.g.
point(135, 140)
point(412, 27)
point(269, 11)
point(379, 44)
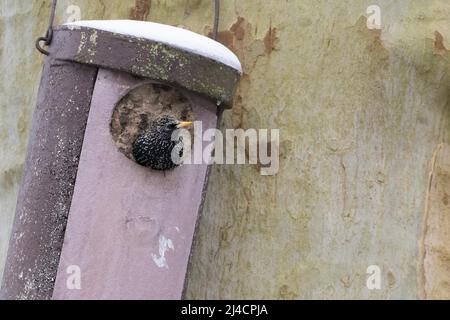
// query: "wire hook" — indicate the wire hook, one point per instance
point(47, 39)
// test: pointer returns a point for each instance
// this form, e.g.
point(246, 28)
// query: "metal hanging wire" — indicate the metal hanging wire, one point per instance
point(47, 39)
point(216, 20)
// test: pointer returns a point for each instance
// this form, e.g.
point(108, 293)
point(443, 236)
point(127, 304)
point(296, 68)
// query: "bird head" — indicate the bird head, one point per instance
point(167, 125)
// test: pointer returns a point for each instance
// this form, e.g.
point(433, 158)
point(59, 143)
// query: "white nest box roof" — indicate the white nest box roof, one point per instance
point(173, 36)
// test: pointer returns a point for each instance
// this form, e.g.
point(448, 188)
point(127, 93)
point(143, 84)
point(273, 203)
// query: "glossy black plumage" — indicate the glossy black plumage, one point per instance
point(154, 148)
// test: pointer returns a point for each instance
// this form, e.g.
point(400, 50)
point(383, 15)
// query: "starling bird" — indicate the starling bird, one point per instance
point(154, 148)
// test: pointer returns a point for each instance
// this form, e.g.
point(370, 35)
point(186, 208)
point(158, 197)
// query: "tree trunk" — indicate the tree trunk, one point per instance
point(364, 121)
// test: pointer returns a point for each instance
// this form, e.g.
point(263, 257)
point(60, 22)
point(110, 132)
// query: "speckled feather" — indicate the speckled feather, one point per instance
point(154, 148)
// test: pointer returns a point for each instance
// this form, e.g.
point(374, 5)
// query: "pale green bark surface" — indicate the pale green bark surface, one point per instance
point(20, 70)
point(360, 112)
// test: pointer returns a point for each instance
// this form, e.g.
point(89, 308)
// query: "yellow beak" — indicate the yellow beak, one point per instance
point(185, 124)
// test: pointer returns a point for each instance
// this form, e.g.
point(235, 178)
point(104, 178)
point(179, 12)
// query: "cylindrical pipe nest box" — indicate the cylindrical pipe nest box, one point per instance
point(102, 213)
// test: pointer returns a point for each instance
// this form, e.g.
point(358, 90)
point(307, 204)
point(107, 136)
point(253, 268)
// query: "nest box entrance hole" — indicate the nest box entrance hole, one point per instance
point(141, 107)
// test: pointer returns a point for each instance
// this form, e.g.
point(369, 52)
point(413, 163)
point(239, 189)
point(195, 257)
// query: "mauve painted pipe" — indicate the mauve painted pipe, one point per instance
point(117, 247)
point(56, 138)
point(130, 228)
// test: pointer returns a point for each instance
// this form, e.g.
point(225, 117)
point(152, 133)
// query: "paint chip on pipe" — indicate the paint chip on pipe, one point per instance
point(164, 246)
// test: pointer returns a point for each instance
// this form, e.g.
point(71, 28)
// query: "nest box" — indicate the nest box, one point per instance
point(90, 222)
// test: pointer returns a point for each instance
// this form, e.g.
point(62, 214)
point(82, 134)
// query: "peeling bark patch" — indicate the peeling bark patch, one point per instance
point(271, 40)
point(11, 177)
point(391, 279)
point(439, 47)
point(374, 34)
point(241, 40)
point(434, 263)
point(141, 10)
point(252, 52)
point(229, 38)
point(238, 29)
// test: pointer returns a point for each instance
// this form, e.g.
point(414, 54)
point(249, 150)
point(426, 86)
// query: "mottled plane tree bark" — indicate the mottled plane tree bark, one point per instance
point(364, 120)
